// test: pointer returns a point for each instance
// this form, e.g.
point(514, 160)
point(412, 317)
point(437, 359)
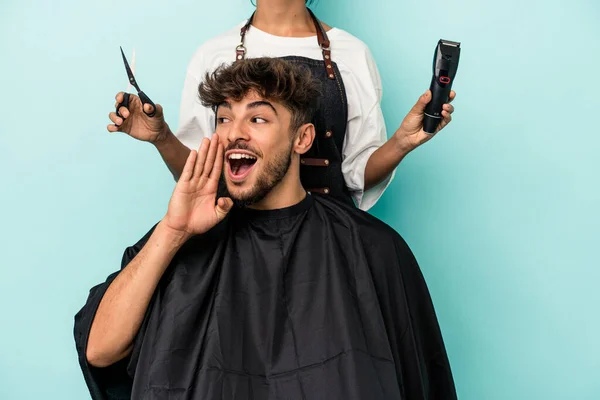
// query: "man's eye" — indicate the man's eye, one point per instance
point(259, 120)
point(222, 120)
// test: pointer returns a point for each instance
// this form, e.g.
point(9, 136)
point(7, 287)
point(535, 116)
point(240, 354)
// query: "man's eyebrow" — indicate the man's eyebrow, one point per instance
point(261, 103)
point(225, 104)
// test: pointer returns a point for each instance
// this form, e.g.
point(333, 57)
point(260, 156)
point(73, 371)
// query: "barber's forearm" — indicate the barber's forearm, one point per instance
point(123, 306)
point(173, 152)
point(383, 161)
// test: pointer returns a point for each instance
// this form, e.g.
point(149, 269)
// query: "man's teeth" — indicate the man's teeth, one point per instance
point(238, 156)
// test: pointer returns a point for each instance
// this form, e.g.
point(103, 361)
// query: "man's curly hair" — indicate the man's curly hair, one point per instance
point(272, 78)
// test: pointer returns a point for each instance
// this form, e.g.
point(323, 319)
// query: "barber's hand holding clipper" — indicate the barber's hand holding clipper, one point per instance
point(433, 110)
point(411, 134)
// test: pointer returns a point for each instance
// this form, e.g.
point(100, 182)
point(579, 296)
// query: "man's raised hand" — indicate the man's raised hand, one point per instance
point(192, 209)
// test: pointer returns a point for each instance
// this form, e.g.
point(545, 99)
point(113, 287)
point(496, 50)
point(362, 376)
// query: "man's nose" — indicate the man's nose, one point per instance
point(238, 131)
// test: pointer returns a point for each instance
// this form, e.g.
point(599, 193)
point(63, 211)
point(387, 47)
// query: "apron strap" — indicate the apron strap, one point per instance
point(240, 50)
point(324, 44)
point(322, 39)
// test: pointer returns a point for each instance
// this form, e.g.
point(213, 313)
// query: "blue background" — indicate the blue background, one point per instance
point(501, 208)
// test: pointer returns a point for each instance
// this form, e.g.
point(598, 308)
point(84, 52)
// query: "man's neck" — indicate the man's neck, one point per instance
point(287, 193)
point(283, 18)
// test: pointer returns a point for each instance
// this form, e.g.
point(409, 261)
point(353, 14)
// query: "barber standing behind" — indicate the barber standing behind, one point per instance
point(351, 158)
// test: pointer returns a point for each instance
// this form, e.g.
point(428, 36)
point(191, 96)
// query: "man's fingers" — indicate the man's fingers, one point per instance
point(112, 128)
point(212, 154)
point(119, 98)
point(188, 168)
point(198, 169)
point(215, 174)
point(224, 205)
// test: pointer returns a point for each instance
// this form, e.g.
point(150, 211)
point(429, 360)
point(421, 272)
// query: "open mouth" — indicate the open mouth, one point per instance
point(240, 164)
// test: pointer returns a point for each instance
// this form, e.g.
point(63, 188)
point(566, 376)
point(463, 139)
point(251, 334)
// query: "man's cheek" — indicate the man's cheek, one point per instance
point(222, 136)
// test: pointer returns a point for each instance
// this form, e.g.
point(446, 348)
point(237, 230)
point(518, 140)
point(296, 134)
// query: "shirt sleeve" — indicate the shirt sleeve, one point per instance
point(366, 130)
point(194, 119)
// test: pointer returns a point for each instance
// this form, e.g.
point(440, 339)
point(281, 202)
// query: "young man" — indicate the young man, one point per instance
point(266, 292)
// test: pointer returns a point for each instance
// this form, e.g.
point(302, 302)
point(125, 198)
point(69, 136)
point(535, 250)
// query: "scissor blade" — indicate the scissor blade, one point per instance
point(129, 72)
point(132, 69)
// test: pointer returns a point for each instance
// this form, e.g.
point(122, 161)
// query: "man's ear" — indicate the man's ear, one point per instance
point(304, 138)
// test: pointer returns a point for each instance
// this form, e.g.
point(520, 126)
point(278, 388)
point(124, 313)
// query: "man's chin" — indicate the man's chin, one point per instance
point(241, 193)
point(239, 189)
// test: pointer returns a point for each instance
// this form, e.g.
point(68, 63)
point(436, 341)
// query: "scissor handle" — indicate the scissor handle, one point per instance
point(124, 103)
point(146, 100)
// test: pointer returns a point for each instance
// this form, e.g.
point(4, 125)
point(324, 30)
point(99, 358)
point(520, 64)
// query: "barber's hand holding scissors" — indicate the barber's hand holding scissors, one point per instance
point(137, 115)
point(136, 123)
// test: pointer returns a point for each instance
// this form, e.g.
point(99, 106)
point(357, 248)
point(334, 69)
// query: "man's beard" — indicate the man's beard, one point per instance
point(270, 177)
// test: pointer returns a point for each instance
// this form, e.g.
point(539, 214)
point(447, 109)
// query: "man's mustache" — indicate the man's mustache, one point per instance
point(243, 146)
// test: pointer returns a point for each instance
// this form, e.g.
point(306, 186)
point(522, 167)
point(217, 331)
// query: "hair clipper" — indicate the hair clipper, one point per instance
point(445, 64)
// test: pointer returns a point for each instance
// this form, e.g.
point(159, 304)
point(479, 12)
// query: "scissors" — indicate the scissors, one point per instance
point(145, 99)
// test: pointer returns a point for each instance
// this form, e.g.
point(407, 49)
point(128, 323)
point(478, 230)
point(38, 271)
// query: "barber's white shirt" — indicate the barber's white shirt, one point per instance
point(365, 130)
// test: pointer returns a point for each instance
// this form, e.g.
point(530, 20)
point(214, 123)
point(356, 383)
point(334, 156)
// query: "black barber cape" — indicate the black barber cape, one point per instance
point(316, 301)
